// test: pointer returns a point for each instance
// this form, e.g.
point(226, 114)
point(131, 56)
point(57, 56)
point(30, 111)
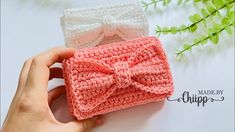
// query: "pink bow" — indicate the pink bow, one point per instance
point(143, 70)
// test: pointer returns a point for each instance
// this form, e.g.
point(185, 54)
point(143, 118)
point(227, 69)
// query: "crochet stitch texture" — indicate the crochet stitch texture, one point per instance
point(89, 27)
point(116, 76)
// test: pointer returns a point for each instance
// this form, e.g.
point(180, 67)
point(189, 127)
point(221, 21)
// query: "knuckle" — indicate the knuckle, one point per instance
point(36, 61)
point(28, 104)
point(25, 103)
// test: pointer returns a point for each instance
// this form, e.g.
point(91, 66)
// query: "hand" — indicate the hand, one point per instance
point(30, 109)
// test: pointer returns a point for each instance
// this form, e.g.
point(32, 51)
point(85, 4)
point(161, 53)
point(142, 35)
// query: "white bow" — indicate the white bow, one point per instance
point(88, 27)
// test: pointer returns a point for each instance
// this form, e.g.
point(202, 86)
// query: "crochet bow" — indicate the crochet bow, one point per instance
point(142, 64)
point(89, 30)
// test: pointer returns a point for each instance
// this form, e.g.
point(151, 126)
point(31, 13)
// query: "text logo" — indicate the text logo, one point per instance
point(201, 98)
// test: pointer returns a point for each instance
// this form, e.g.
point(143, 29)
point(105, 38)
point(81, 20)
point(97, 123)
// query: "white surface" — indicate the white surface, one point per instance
point(27, 29)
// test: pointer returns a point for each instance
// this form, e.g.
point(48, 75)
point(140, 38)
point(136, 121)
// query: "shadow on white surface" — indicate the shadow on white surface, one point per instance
point(131, 119)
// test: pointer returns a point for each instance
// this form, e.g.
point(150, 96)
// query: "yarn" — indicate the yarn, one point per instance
point(111, 77)
point(89, 27)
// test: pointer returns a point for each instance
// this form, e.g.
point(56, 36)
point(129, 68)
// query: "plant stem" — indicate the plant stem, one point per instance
point(153, 2)
point(212, 13)
point(189, 47)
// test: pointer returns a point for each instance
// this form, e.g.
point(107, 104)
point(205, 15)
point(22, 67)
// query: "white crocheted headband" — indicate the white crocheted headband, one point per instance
point(89, 27)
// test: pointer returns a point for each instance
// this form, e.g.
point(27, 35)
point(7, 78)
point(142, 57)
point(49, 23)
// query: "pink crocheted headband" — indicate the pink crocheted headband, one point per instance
point(116, 76)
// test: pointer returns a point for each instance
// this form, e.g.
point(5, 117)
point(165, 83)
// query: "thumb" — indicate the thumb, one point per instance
point(85, 125)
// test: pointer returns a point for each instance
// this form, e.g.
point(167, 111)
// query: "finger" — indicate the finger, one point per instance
point(53, 55)
point(55, 93)
point(39, 72)
point(22, 78)
point(86, 125)
point(24, 73)
point(55, 72)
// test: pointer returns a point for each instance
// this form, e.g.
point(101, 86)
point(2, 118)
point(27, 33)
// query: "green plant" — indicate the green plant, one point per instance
point(216, 16)
point(154, 3)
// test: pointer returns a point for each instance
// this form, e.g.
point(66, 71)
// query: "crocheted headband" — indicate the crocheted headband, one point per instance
point(102, 25)
point(116, 76)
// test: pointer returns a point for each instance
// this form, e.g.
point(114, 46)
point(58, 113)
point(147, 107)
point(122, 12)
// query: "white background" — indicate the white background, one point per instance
point(28, 28)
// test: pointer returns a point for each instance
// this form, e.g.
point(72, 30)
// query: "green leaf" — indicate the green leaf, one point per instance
point(225, 21)
point(203, 39)
point(217, 27)
point(196, 40)
point(154, 3)
point(231, 15)
point(165, 30)
point(204, 13)
point(183, 28)
point(144, 3)
point(211, 31)
point(229, 30)
point(195, 18)
point(231, 6)
point(157, 33)
point(185, 1)
point(210, 8)
point(214, 38)
point(158, 28)
point(173, 30)
point(205, 1)
point(179, 2)
point(205, 23)
point(218, 3)
point(187, 47)
point(166, 2)
point(197, 0)
point(193, 28)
